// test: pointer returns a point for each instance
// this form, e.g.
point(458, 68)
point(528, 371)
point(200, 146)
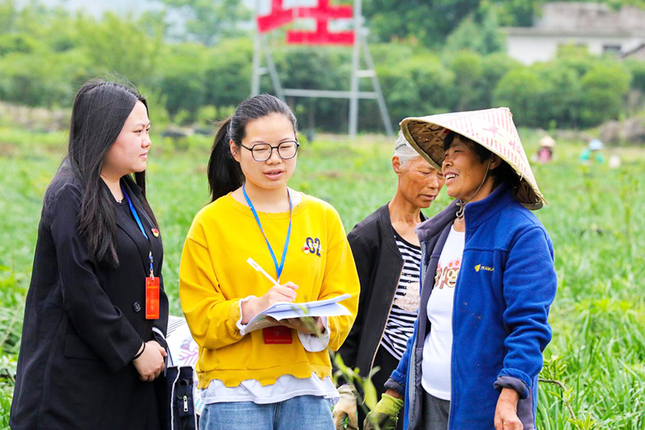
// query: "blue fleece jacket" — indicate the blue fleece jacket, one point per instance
point(505, 287)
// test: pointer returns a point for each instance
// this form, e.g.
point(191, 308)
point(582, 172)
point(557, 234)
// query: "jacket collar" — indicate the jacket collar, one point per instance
point(477, 213)
point(387, 228)
point(130, 227)
point(437, 223)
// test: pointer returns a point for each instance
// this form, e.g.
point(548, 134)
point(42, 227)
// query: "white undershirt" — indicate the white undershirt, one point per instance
point(437, 347)
point(286, 386)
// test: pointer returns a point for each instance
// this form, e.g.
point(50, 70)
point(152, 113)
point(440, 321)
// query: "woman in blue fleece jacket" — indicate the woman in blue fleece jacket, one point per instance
point(488, 281)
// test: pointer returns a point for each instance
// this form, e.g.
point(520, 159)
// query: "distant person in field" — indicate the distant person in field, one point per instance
point(278, 377)
point(388, 254)
point(488, 281)
point(93, 336)
point(593, 151)
point(545, 151)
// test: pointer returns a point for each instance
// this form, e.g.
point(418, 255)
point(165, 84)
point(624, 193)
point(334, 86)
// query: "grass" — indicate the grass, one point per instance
point(596, 219)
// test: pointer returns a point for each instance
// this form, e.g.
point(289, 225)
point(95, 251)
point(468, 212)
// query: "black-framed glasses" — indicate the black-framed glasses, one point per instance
point(263, 151)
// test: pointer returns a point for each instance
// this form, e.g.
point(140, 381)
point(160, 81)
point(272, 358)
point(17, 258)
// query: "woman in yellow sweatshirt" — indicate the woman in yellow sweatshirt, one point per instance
point(277, 377)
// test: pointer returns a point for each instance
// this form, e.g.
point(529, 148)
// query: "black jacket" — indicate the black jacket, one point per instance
point(85, 321)
point(379, 264)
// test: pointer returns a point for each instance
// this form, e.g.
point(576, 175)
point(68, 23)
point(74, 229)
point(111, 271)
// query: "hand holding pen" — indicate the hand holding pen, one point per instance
point(279, 293)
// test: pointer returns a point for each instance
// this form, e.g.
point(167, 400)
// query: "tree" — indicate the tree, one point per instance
point(7, 15)
point(208, 21)
point(427, 21)
point(182, 79)
point(468, 70)
point(227, 74)
point(559, 103)
point(479, 32)
point(520, 90)
point(119, 45)
point(603, 90)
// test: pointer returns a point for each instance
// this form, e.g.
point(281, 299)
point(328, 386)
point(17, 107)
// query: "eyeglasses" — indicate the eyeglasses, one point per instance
point(263, 151)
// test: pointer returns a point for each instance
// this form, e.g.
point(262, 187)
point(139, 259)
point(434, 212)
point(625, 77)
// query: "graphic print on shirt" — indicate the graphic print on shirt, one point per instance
point(446, 275)
point(312, 246)
point(410, 299)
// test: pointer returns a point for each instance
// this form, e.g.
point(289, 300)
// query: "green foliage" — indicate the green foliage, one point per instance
point(518, 13)
point(208, 21)
point(391, 20)
point(420, 84)
point(182, 78)
point(596, 218)
point(42, 78)
point(227, 72)
point(603, 89)
point(117, 45)
point(7, 15)
point(483, 36)
point(570, 91)
point(157, 102)
point(637, 69)
point(520, 90)
point(494, 67)
point(467, 67)
point(20, 43)
point(47, 53)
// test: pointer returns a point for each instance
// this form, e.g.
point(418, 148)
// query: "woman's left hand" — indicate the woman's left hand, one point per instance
point(307, 325)
point(506, 411)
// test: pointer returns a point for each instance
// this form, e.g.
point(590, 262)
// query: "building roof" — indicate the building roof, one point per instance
point(585, 19)
point(638, 52)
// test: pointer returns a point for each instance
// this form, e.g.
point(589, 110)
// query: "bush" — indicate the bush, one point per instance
point(181, 75)
point(521, 90)
point(41, 79)
point(603, 89)
point(227, 72)
point(559, 104)
point(468, 91)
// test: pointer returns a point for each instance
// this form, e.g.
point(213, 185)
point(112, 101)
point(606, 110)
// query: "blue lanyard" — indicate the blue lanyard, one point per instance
point(138, 220)
point(278, 268)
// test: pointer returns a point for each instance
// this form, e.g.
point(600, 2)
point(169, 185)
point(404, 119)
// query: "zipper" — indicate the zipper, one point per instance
point(185, 403)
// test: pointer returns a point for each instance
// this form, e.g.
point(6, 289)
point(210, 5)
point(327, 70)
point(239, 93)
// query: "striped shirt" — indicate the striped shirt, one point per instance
point(400, 324)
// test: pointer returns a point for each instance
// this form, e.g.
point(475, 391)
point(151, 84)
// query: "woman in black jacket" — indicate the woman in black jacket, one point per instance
point(387, 254)
point(96, 314)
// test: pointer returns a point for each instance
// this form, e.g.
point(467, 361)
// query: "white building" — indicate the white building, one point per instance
point(593, 25)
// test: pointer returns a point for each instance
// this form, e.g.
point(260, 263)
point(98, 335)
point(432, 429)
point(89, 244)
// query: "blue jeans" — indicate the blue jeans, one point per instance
point(298, 413)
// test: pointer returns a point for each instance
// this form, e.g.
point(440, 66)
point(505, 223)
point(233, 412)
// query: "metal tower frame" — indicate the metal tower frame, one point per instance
point(261, 48)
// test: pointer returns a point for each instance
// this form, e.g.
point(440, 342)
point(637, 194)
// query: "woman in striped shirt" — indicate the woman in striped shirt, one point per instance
point(387, 254)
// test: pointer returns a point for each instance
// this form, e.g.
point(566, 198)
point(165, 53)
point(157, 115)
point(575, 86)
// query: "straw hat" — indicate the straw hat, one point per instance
point(491, 128)
point(547, 142)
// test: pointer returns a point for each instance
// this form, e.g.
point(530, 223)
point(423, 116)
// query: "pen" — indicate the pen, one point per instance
point(257, 267)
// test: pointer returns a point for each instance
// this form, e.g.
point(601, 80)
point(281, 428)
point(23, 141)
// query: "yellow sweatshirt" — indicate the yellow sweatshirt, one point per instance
point(214, 276)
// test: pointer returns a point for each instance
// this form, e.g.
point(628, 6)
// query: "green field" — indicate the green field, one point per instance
point(596, 218)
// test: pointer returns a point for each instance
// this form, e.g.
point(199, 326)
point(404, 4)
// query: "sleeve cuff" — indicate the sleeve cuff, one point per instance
point(313, 343)
point(511, 382)
point(159, 337)
point(391, 384)
point(242, 327)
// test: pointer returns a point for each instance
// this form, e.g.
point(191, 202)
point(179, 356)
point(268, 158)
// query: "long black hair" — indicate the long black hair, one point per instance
point(98, 115)
point(224, 172)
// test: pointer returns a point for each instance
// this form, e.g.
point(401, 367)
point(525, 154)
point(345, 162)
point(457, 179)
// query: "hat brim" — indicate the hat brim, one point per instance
point(491, 128)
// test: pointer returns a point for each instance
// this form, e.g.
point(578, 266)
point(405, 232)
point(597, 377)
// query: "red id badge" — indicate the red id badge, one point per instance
point(152, 298)
point(277, 335)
